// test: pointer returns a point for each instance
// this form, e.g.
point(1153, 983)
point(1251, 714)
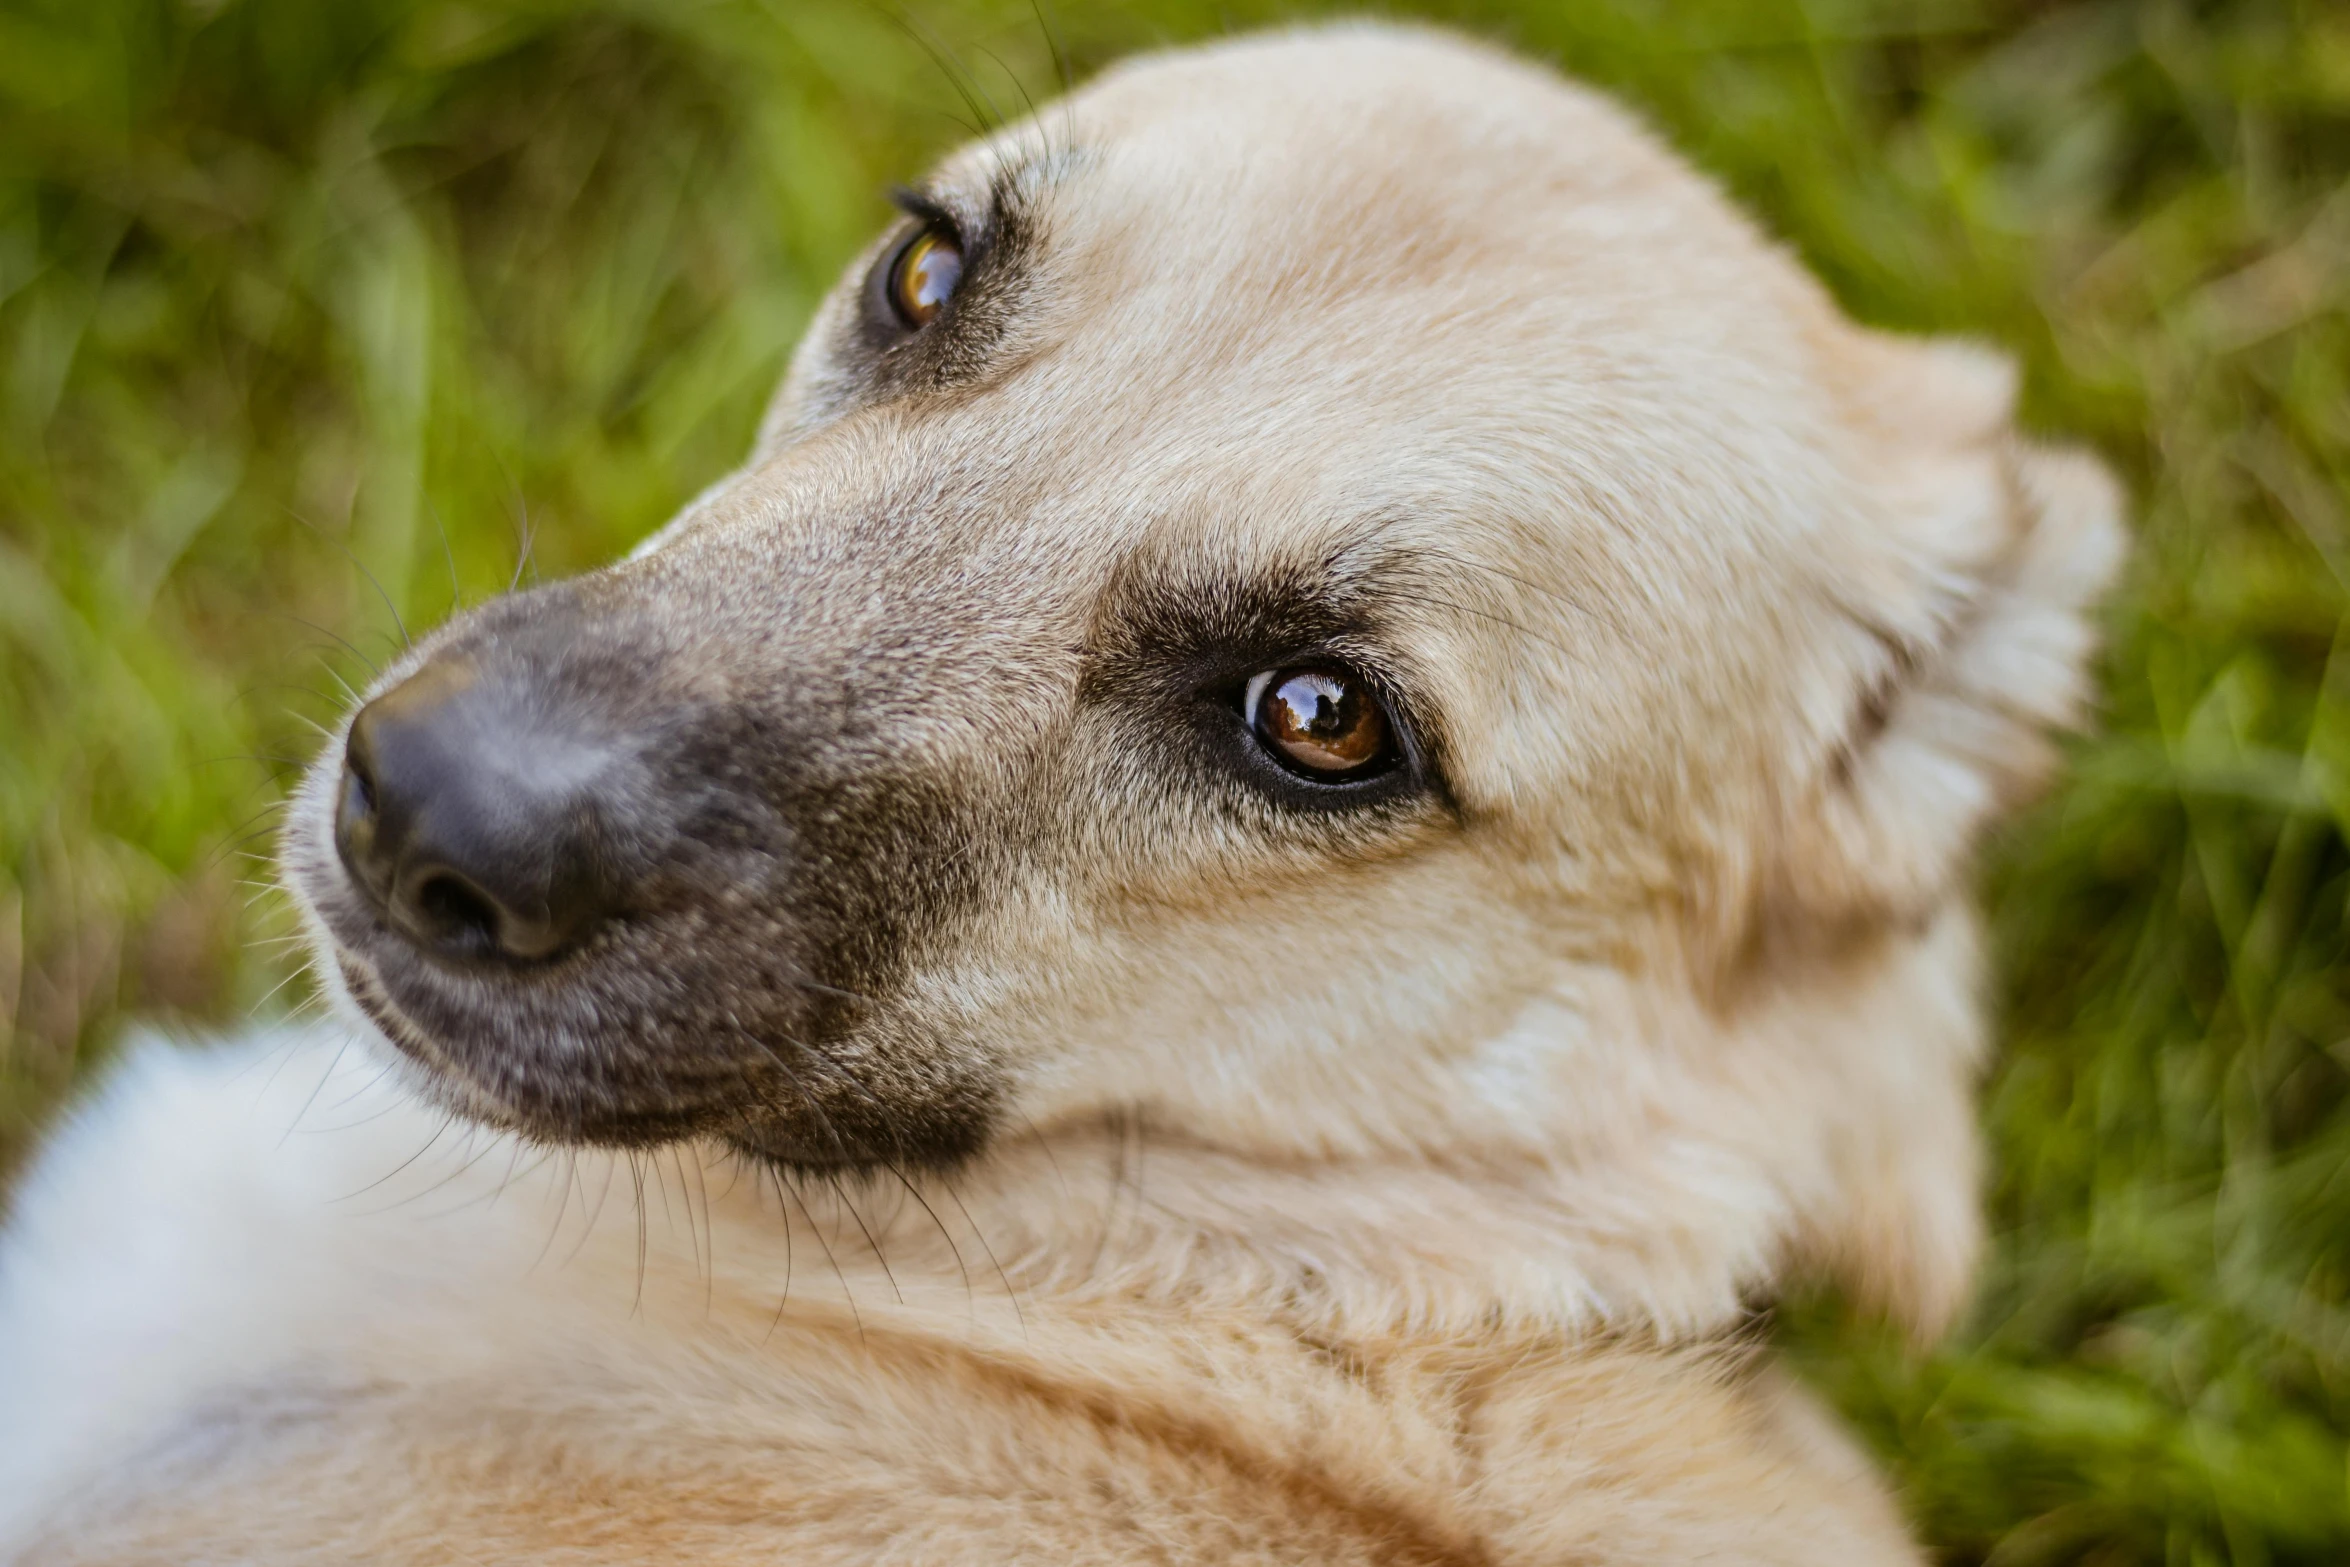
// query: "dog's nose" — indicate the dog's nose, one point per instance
point(471, 820)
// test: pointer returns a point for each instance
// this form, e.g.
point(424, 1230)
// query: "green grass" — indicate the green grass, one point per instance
point(289, 284)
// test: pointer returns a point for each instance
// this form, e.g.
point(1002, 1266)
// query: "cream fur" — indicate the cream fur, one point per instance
point(1392, 1209)
point(301, 1343)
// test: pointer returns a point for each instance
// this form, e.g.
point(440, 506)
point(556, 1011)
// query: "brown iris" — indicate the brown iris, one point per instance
point(1319, 720)
point(924, 278)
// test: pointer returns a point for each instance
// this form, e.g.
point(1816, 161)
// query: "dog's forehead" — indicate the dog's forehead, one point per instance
point(1371, 294)
point(1284, 190)
point(1347, 264)
point(1268, 138)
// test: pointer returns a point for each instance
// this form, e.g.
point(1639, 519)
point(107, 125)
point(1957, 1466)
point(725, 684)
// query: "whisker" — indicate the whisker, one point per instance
point(529, 536)
point(735, 1164)
point(636, 1174)
point(270, 995)
point(368, 1087)
point(784, 1299)
point(316, 1088)
point(525, 1173)
point(799, 1088)
point(562, 1206)
point(446, 1122)
point(850, 1294)
point(889, 1123)
point(350, 694)
point(970, 1299)
point(365, 1120)
point(281, 1055)
point(1053, 43)
point(247, 692)
point(344, 643)
point(839, 1146)
point(1018, 85)
point(243, 833)
point(456, 590)
point(661, 1185)
point(490, 1198)
point(373, 580)
point(1555, 595)
point(685, 1195)
point(952, 70)
point(595, 1217)
point(470, 1160)
point(1010, 1293)
point(1046, 1145)
point(709, 1232)
point(253, 828)
point(274, 763)
point(1435, 602)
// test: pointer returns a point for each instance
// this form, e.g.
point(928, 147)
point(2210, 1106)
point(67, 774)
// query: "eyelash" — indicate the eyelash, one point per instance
point(926, 212)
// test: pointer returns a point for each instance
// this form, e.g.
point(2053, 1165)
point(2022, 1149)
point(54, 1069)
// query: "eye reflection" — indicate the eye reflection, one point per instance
point(924, 277)
point(1319, 720)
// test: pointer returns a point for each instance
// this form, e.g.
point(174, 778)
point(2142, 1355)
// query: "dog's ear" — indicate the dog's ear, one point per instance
point(1968, 619)
point(1976, 637)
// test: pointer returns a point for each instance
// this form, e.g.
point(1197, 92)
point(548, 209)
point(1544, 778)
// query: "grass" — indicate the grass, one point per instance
point(286, 286)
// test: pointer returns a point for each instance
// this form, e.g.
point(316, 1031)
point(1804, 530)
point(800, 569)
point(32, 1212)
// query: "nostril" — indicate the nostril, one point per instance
point(358, 791)
point(356, 836)
point(457, 915)
point(467, 817)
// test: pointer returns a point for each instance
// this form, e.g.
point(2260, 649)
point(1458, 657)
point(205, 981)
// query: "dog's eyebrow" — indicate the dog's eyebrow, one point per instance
point(960, 211)
point(1160, 612)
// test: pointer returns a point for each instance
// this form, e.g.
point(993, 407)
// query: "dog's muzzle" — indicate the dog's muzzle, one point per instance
point(602, 879)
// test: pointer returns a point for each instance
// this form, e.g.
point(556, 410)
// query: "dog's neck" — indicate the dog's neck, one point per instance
point(1367, 1245)
point(1656, 1173)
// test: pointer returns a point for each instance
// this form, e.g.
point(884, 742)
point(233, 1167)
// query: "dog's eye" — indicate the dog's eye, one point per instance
point(923, 277)
point(1320, 721)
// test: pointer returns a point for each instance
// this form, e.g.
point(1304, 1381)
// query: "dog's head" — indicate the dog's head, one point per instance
point(1325, 594)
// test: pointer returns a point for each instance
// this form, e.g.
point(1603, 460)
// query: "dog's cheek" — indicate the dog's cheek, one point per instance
point(891, 870)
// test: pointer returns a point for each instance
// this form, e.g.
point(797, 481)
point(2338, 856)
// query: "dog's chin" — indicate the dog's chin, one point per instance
point(421, 1066)
point(443, 1071)
point(429, 1070)
point(782, 1147)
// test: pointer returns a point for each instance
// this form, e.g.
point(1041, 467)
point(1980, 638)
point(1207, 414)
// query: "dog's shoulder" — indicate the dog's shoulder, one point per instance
point(180, 1232)
point(836, 1444)
point(249, 1302)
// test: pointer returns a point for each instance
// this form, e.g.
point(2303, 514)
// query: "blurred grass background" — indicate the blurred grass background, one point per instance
point(287, 285)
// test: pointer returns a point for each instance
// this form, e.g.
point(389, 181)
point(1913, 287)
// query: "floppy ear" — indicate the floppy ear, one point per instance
point(1973, 642)
point(1997, 546)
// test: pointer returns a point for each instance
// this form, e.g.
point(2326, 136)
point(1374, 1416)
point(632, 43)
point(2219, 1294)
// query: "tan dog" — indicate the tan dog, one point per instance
point(1313, 796)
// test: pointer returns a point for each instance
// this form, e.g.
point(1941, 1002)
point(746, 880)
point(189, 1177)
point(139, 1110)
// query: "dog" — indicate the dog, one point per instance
point(1303, 822)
